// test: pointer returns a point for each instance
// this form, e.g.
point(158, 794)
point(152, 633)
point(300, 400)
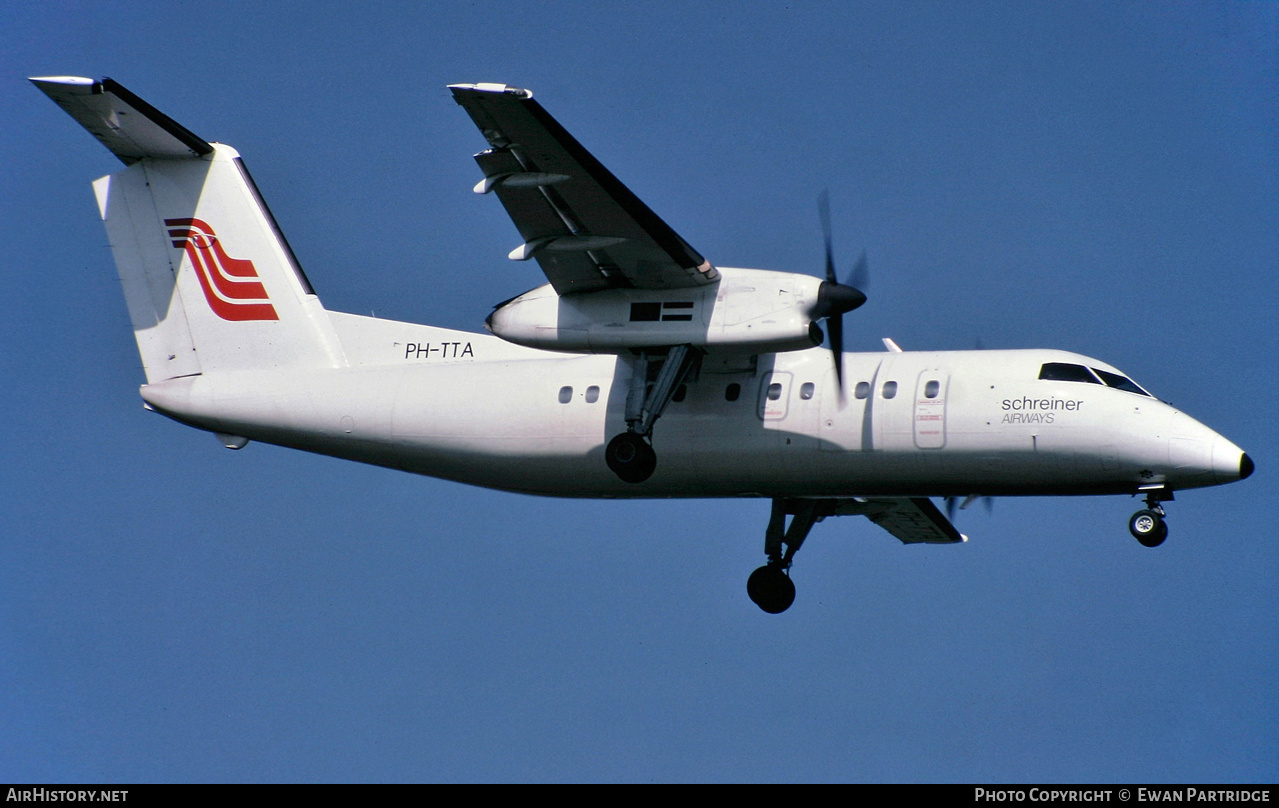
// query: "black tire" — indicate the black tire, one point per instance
point(630, 457)
point(1148, 527)
point(1158, 537)
point(771, 589)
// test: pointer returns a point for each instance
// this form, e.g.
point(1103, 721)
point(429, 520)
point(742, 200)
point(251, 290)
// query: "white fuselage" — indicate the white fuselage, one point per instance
point(472, 408)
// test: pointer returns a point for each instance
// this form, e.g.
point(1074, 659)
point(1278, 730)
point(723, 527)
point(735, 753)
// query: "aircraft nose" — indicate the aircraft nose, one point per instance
point(1229, 462)
point(1200, 456)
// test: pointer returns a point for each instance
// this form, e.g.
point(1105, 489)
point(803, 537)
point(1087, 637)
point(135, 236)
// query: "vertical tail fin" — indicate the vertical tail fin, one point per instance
point(211, 284)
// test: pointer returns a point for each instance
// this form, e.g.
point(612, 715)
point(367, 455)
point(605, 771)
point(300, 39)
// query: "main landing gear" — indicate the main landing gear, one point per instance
point(630, 455)
point(1147, 525)
point(770, 586)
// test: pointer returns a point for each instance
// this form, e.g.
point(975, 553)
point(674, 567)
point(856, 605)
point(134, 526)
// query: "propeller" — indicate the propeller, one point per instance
point(834, 299)
point(951, 502)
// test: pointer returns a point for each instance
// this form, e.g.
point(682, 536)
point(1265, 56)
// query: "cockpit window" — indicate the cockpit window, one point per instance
point(1066, 372)
point(1063, 372)
point(1120, 382)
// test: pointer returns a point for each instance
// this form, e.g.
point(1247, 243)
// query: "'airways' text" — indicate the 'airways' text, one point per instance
point(1027, 418)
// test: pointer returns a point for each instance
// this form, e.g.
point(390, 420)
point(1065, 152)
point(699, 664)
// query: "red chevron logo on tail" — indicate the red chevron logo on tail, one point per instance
point(231, 285)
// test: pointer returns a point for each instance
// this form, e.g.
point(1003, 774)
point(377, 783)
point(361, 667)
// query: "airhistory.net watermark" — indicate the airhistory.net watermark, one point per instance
point(64, 795)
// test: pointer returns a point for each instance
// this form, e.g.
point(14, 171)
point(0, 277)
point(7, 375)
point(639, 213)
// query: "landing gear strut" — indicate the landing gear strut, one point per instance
point(770, 586)
point(630, 455)
point(1147, 525)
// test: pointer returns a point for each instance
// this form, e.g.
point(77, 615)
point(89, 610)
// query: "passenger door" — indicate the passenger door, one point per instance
point(774, 395)
point(930, 409)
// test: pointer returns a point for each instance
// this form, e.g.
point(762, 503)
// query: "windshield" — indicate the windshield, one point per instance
point(1066, 372)
point(1120, 382)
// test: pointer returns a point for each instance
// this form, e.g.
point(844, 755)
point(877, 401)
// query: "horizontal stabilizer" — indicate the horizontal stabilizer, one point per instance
point(130, 127)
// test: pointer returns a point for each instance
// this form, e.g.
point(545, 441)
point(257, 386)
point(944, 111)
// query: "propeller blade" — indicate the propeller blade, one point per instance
point(823, 211)
point(860, 279)
point(953, 504)
point(835, 325)
point(834, 299)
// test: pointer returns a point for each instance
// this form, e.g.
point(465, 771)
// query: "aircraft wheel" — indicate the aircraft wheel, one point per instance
point(630, 457)
point(771, 589)
point(1148, 527)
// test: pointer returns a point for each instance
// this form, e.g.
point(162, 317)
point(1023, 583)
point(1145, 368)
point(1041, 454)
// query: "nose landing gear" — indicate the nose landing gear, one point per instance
point(1147, 525)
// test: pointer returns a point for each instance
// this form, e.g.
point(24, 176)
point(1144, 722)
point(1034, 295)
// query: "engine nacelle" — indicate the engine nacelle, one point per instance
point(753, 310)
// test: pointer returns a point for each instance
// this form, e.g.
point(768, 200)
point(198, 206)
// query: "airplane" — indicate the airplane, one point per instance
point(563, 396)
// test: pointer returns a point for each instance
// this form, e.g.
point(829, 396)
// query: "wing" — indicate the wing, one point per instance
point(585, 228)
point(912, 521)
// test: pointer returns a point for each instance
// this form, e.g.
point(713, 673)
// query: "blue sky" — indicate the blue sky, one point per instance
point(1098, 177)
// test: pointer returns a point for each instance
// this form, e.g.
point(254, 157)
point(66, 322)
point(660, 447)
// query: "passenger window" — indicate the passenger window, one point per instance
point(774, 391)
point(681, 393)
point(806, 390)
point(890, 389)
point(862, 390)
point(932, 389)
point(566, 394)
point(1063, 372)
point(592, 394)
point(732, 392)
